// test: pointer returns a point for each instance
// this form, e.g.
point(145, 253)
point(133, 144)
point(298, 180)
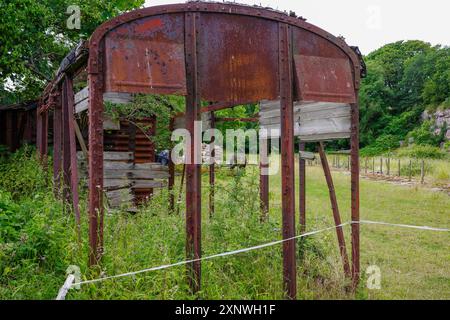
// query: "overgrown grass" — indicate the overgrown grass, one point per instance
point(414, 264)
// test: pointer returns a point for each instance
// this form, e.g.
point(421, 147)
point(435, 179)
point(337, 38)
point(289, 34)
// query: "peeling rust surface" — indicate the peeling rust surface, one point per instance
point(324, 79)
point(147, 56)
point(239, 55)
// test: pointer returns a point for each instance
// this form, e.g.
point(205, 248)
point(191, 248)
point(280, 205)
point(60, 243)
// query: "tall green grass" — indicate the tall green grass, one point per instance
point(414, 264)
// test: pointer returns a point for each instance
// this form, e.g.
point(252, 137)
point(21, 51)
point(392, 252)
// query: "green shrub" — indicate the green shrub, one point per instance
point(424, 134)
point(22, 174)
point(36, 236)
point(382, 144)
point(421, 152)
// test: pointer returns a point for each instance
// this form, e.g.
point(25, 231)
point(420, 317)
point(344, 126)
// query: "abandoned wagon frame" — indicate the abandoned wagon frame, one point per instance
point(225, 54)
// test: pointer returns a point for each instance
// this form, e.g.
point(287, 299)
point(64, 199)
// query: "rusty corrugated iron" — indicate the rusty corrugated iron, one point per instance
point(134, 137)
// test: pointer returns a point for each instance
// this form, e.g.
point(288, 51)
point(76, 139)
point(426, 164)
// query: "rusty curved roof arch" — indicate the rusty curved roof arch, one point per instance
point(216, 7)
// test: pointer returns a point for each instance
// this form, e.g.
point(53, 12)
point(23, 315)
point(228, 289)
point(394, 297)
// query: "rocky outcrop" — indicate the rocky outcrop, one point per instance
point(439, 117)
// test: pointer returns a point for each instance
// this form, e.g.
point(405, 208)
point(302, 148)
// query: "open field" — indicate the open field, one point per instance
point(436, 171)
point(414, 264)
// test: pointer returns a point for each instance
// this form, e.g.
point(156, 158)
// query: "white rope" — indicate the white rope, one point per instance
point(401, 225)
point(212, 256)
point(68, 284)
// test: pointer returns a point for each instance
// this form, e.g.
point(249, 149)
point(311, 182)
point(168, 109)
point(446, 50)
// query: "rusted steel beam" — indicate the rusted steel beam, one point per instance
point(95, 80)
point(354, 145)
point(9, 129)
point(302, 188)
point(80, 139)
point(171, 181)
point(264, 178)
point(65, 97)
point(68, 84)
point(287, 160)
point(57, 147)
point(193, 169)
point(335, 209)
point(44, 146)
point(212, 173)
point(38, 134)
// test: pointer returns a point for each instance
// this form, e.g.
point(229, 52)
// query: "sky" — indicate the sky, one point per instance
point(368, 24)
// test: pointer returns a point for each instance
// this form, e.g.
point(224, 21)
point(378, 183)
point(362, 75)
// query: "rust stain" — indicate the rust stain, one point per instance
point(148, 25)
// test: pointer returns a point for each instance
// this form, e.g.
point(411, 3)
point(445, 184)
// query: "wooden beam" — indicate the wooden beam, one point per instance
point(335, 209)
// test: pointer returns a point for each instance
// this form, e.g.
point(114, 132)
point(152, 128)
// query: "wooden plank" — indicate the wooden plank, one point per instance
point(82, 99)
point(118, 97)
point(110, 124)
point(116, 183)
point(134, 174)
point(81, 95)
point(118, 197)
point(315, 121)
point(135, 184)
point(111, 156)
point(147, 184)
point(307, 155)
point(154, 166)
point(311, 111)
point(324, 137)
point(82, 106)
point(80, 138)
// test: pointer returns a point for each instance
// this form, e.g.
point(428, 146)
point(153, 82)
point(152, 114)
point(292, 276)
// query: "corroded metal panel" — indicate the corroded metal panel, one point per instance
point(238, 58)
point(324, 79)
point(147, 56)
point(324, 71)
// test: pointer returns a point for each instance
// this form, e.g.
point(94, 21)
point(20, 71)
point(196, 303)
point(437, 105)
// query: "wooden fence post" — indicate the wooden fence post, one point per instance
point(335, 209)
point(422, 172)
point(388, 164)
point(381, 165)
point(410, 169)
point(399, 171)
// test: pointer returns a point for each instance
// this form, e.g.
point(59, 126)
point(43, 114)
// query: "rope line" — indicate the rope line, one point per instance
point(223, 254)
point(69, 283)
point(401, 225)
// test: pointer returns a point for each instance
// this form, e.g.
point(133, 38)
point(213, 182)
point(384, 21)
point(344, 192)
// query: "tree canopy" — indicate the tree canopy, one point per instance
point(34, 38)
point(403, 79)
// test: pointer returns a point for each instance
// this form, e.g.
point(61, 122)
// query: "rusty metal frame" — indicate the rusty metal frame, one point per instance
point(263, 179)
point(191, 12)
point(287, 159)
point(171, 181)
point(212, 173)
point(354, 155)
point(57, 146)
point(302, 188)
point(193, 169)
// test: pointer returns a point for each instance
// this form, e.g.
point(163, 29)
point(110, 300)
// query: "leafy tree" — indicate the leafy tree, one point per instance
point(34, 38)
point(404, 78)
